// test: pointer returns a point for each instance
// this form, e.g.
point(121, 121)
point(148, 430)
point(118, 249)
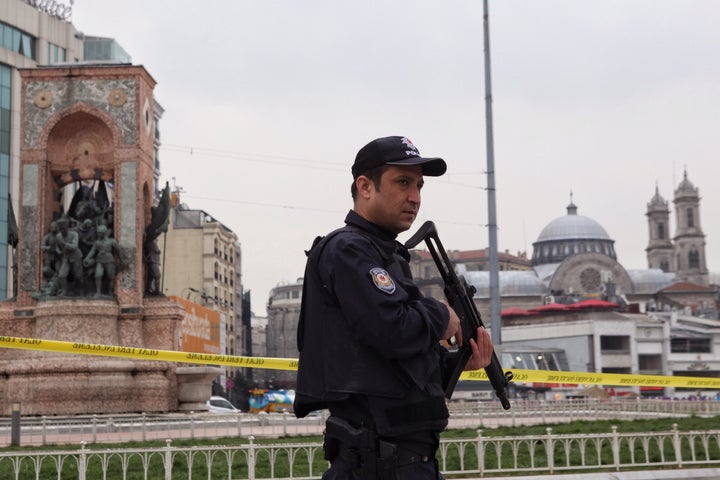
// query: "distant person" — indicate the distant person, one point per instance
point(369, 341)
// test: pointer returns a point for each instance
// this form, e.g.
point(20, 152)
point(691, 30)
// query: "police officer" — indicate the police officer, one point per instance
point(369, 341)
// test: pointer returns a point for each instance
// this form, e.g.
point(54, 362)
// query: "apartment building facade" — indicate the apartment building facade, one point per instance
point(201, 261)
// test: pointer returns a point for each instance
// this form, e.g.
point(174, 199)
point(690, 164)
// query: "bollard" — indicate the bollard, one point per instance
point(15, 426)
point(144, 427)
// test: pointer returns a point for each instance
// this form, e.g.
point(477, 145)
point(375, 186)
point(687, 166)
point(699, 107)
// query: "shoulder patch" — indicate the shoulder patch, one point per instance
point(382, 280)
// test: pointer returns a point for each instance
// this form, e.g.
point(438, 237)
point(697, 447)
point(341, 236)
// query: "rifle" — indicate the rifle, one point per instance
point(459, 295)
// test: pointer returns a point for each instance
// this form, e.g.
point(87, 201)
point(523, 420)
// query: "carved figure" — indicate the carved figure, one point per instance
point(86, 232)
point(51, 283)
point(71, 257)
point(152, 263)
point(83, 205)
point(102, 255)
point(51, 249)
point(159, 219)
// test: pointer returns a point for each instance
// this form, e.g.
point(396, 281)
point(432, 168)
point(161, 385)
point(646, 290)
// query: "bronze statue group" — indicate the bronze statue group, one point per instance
point(80, 254)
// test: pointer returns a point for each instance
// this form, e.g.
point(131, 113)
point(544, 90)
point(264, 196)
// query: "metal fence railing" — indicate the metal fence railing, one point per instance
point(35, 431)
point(471, 457)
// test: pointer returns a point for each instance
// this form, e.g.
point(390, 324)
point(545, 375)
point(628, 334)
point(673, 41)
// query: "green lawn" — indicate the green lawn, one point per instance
point(238, 462)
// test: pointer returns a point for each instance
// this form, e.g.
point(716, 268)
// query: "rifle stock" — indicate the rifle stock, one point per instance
point(459, 295)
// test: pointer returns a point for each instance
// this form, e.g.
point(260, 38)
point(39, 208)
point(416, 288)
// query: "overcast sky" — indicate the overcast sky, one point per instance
point(267, 102)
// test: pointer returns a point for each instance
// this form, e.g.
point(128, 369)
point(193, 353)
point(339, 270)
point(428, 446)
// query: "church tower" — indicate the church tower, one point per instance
point(660, 247)
point(689, 240)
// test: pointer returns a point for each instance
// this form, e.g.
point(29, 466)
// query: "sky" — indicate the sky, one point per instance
point(267, 103)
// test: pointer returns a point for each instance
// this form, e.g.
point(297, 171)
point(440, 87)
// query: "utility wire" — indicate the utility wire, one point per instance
point(294, 162)
point(307, 209)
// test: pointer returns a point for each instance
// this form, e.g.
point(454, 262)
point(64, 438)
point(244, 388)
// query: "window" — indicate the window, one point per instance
point(614, 343)
point(690, 345)
point(5, 126)
point(693, 259)
point(56, 54)
point(650, 362)
point(541, 362)
point(665, 266)
point(690, 218)
point(19, 42)
point(661, 231)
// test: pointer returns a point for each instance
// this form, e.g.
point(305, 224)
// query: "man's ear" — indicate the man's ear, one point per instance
point(364, 186)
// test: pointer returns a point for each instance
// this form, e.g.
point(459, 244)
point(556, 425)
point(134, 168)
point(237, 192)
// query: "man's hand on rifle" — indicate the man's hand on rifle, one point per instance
point(453, 328)
point(482, 350)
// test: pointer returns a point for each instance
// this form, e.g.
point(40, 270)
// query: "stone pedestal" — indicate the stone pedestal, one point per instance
point(195, 386)
point(50, 383)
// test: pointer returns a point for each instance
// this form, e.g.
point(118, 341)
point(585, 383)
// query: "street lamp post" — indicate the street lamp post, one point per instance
point(492, 214)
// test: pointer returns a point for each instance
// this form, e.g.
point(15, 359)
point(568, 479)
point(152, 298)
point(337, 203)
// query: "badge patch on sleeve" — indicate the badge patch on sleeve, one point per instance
point(382, 280)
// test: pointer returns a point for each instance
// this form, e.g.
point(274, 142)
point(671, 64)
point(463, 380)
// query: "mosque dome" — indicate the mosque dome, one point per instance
point(571, 234)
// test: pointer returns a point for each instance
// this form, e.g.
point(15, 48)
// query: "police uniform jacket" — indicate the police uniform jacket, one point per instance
point(366, 332)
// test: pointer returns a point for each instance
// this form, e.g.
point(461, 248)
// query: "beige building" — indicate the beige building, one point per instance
point(201, 261)
point(283, 315)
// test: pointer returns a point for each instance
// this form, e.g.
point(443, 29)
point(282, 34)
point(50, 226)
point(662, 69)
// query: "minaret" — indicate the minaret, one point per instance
point(689, 240)
point(660, 247)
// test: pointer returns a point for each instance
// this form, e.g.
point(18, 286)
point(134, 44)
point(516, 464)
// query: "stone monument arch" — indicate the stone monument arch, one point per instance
point(86, 184)
point(87, 124)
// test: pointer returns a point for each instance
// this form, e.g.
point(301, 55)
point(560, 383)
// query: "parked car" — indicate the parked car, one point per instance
point(218, 404)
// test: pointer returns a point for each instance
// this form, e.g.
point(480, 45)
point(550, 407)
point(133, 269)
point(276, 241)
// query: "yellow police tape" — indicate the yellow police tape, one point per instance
point(535, 376)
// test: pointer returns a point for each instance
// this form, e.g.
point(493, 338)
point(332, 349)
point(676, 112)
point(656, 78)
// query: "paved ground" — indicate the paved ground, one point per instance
point(691, 473)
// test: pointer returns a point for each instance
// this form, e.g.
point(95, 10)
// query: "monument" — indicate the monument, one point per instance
point(86, 250)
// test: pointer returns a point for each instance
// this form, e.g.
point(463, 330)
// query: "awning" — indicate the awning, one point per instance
point(516, 312)
point(593, 303)
point(549, 307)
